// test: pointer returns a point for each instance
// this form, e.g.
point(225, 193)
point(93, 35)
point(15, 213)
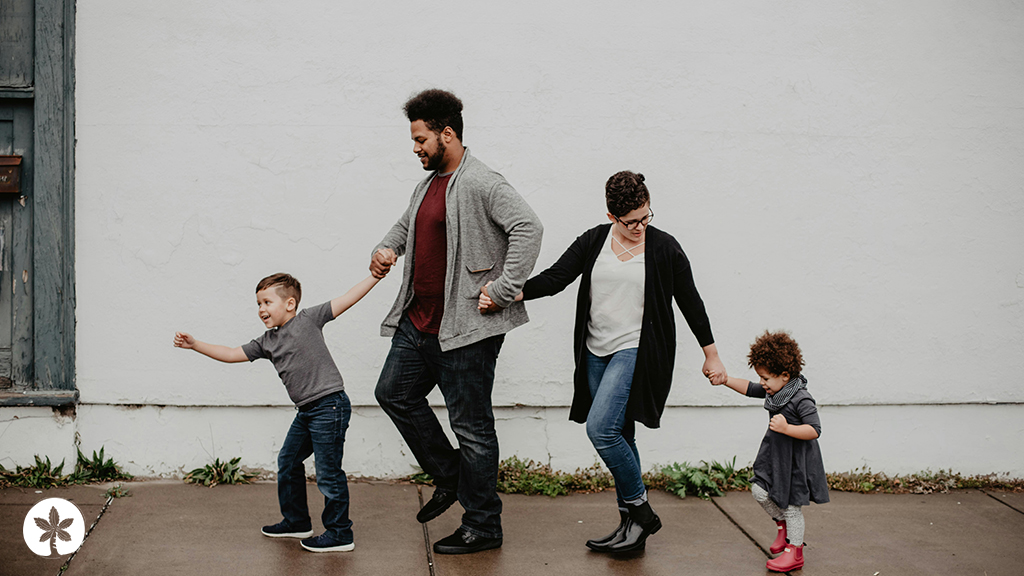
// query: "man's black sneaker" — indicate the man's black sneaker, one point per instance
point(327, 543)
point(465, 542)
point(440, 501)
point(285, 530)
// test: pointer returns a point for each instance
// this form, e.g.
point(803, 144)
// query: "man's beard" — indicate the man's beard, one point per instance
point(434, 160)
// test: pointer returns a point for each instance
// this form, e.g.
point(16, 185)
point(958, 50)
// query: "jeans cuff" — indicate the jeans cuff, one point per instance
point(481, 533)
point(638, 501)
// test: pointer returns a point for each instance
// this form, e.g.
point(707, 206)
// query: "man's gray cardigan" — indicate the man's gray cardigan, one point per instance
point(493, 234)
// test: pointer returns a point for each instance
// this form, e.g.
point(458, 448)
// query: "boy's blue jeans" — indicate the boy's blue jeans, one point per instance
point(612, 434)
point(318, 430)
point(465, 376)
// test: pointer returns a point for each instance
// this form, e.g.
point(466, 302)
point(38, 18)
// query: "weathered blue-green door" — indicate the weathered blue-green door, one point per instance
point(36, 221)
point(16, 136)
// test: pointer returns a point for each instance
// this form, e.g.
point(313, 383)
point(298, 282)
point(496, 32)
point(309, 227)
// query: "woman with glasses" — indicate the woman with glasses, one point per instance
point(625, 339)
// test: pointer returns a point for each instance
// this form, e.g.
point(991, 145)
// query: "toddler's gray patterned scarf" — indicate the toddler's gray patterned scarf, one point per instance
point(775, 402)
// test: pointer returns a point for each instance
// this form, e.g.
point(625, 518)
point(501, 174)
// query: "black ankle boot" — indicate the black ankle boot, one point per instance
point(601, 544)
point(642, 522)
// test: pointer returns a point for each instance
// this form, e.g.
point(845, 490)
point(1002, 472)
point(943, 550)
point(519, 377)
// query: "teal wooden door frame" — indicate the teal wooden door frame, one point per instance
point(51, 378)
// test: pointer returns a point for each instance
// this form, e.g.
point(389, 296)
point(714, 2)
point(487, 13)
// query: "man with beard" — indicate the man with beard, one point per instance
point(465, 227)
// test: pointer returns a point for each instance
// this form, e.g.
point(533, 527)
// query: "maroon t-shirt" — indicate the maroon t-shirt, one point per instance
point(430, 259)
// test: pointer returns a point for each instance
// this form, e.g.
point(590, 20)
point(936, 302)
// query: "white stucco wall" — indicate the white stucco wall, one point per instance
point(849, 173)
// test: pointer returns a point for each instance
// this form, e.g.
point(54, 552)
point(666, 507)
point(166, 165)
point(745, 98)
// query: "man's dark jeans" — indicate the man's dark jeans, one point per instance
point(318, 429)
point(465, 376)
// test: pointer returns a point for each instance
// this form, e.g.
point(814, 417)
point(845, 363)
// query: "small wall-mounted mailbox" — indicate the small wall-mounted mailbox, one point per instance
point(10, 174)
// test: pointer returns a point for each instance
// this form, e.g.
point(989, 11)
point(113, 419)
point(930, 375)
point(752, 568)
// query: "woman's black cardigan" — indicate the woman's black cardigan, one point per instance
point(666, 275)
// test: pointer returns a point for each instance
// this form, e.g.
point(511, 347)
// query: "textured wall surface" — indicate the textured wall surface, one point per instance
point(851, 174)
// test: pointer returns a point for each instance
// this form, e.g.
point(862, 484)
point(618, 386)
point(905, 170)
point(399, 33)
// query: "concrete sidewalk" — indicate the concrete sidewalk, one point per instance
point(167, 527)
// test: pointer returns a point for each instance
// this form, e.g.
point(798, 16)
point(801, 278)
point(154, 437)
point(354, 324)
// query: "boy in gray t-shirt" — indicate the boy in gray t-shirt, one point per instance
point(294, 342)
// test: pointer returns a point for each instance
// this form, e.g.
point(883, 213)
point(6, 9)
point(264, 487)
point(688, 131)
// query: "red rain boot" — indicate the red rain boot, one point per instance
point(780, 538)
point(791, 559)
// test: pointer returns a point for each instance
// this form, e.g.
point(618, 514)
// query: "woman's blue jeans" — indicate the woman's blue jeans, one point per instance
point(612, 434)
point(318, 430)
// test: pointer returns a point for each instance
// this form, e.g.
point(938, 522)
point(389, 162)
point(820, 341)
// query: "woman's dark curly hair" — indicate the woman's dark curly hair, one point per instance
point(777, 353)
point(437, 109)
point(625, 192)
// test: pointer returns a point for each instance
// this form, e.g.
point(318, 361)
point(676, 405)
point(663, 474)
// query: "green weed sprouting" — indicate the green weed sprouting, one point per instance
point(865, 481)
point(43, 474)
point(97, 469)
point(117, 491)
point(703, 481)
point(422, 478)
point(519, 476)
point(220, 473)
point(516, 476)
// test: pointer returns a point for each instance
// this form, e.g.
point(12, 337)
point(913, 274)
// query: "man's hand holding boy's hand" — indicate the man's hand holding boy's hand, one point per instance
point(184, 340)
point(382, 262)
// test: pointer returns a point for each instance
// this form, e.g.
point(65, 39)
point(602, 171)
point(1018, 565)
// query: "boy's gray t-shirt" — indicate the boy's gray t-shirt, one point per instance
point(300, 355)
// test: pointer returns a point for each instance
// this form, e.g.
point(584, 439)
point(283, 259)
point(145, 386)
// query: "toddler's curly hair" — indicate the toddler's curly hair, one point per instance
point(777, 353)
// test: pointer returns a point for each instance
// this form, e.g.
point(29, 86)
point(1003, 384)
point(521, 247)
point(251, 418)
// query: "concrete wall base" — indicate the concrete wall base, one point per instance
point(170, 441)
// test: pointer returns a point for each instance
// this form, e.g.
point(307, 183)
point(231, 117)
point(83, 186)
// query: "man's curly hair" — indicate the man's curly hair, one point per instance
point(625, 192)
point(437, 109)
point(777, 353)
point(286, 284)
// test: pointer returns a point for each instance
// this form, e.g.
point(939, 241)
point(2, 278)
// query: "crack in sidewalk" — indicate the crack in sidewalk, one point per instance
point(85, 538)
point(426, 535)
point(745, 533)
point(1007, 504)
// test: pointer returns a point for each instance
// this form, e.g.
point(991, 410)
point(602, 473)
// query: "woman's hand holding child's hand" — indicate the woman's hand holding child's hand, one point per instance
point(778, 424)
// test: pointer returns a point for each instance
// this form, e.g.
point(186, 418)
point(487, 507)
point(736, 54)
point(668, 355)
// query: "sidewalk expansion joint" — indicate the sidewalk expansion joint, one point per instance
point(85, 538)
point(1007, 504)
point(426, 534)
point(740, 528)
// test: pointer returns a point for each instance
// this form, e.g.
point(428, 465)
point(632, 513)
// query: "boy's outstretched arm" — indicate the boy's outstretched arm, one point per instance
point(348, 299)
point(215, 351)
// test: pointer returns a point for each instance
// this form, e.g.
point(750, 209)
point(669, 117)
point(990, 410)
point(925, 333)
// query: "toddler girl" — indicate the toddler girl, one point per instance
point(788, 472)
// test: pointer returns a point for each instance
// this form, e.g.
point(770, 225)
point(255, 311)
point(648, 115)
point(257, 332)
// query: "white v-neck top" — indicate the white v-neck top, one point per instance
point(616, 302)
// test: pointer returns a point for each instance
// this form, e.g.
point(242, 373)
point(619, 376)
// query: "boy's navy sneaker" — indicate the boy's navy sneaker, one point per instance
point(285, 530)
point(327, 543)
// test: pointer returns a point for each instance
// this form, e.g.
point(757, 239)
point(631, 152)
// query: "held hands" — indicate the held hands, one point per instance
point(779, 424)
point(184, 340)
point(715, 372)
point(382, 262)
point(485, 305)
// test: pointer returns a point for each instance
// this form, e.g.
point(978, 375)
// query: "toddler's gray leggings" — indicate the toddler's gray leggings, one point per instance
point(793, 516)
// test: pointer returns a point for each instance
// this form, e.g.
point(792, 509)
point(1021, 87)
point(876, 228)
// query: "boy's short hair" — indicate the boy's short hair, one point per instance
point(777, 353)
point(624, 192)
point(437, 108)
point(286, 285)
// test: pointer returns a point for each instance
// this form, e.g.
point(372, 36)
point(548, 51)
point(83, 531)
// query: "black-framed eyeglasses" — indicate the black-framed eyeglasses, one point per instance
point(634, 224)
